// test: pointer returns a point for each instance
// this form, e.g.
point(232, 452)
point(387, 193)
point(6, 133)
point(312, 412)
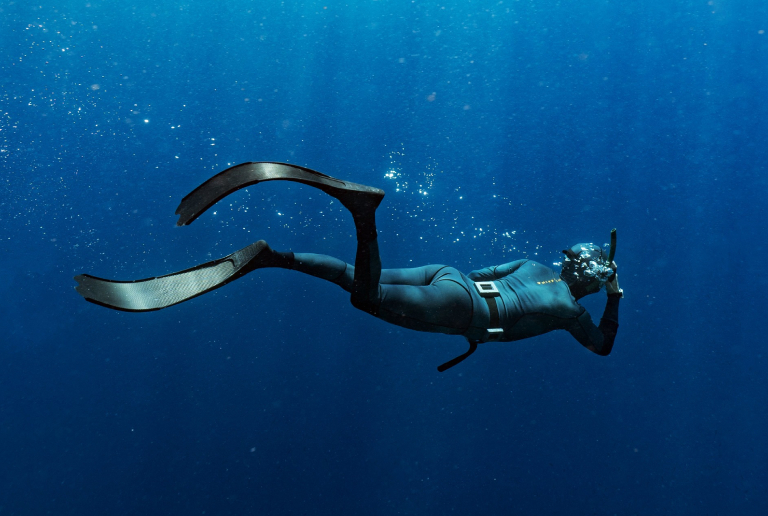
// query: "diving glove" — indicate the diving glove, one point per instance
point(612, 287)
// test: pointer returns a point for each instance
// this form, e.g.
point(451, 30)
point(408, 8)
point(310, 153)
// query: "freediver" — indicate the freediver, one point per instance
point(502, 303)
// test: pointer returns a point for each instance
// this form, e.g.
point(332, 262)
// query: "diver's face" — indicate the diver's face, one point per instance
point(593, 287)
point(583, 287)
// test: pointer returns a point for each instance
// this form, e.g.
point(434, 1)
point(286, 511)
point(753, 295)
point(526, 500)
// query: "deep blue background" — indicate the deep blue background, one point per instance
point(530, 125)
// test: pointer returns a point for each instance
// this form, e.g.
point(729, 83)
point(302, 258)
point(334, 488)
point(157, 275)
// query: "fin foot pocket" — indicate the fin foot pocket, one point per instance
point(360, 200)
point(159, 292)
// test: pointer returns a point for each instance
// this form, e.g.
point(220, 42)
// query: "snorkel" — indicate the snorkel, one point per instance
point(612, 251)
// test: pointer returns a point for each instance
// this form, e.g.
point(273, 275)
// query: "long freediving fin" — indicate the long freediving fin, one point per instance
point(150, 294)
point(353, 196)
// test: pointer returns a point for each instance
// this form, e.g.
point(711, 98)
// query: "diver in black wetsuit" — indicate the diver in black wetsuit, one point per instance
point(504, 303)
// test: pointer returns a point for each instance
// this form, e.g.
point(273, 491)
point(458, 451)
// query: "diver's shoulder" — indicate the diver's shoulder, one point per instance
point(537, 267)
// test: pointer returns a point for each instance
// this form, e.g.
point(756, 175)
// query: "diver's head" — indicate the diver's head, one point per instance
point(585, 269)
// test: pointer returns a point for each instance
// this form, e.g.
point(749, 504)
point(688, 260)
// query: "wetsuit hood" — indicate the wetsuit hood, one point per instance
point(585, 269)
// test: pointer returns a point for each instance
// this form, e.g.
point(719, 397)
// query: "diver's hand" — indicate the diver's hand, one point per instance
point(612, 287)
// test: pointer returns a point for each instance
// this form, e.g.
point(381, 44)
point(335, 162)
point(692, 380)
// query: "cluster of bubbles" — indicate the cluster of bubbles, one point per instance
point(62, 121)
point(598, 270)
point(449, 218)
point(593, 266)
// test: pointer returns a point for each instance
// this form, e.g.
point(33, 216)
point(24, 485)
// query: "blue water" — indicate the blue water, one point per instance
point(499, 130)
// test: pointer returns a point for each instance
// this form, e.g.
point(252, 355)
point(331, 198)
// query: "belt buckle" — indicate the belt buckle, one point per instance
point(495, 333)
point(487, 289)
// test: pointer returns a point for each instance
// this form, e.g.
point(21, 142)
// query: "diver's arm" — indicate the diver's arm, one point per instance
point(599, 339)
point(496, 272)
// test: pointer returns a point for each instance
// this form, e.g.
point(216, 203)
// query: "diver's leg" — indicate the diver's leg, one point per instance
point(442, 305)
point(324, 267)
point(416, 276)
point(341, 273)
point(433, 298)
point(367, 273)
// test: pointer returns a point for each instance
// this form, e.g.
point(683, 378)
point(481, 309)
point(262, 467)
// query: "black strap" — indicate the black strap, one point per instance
point(460, 358)
point(493, 309)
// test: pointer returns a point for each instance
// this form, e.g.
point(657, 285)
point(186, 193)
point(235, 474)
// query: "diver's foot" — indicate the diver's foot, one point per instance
point(259, 256)
point(360, 200)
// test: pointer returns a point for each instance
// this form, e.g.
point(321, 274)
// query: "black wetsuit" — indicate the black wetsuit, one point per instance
point(531, 300)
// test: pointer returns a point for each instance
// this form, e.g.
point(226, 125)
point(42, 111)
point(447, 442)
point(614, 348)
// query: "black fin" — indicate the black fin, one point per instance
point(358, 199)
point(150, 294)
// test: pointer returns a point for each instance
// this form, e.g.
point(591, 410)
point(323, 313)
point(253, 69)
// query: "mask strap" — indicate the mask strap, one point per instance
point(570, 254)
